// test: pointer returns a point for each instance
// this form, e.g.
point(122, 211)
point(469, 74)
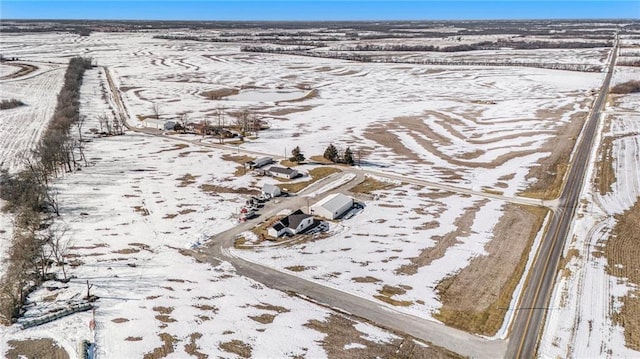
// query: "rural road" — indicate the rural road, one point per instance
point(532, 309)
point(527, 323)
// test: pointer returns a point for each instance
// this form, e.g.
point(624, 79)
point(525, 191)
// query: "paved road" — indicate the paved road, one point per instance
point(532, 310)
point(456, 340)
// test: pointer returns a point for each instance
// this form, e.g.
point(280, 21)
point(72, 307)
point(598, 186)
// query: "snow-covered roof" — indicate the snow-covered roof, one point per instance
point(334, 202)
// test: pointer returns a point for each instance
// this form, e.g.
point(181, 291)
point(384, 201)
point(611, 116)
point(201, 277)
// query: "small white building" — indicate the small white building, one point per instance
point(271, 190)
point(332, 206)
point(292, 224)
point(282, 172)
point(159, 124)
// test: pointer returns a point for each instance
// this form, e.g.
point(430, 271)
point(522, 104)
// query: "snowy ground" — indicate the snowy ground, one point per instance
point(142, 198)
point(127, 217)
point(373, 249)
point(585, 300)
point(21, 127)
point(464, 125)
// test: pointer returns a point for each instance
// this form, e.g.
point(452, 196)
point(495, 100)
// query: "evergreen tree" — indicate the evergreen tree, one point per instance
point(348, 157)
point(296, 155)
point(331, 153)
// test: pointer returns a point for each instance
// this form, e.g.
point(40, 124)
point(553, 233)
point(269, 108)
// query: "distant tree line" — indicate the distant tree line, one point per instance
point(484, 45)
point(29, 196)
point(270, 39)
point(363, 57)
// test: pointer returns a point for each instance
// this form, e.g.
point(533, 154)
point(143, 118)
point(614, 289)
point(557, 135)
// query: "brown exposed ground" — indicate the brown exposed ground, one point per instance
point(24, 70)
point(210, 188)
point(551, 170)
point(623, 260)
point(42, 348)
point(165, 349)
point(477, 297)
point(238, 347)
point(340, 332)
point(370, 184)
point(192, 348)
point(219, 93)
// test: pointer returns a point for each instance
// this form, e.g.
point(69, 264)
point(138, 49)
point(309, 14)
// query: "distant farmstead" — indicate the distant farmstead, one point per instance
point(332, 206)
point(292, 224)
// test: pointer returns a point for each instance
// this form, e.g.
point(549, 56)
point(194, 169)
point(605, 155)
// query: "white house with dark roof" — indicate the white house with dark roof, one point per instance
point(292, 224)
point(332, 206)
point(282, 172)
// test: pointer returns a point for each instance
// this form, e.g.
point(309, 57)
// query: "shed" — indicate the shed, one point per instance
point(332, 206)
point(283, 172)
point(271, 190)
point(277, 230)
point(257, 163)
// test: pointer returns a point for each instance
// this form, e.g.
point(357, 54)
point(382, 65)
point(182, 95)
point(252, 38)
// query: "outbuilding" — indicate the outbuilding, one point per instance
point(271, 190)
point(283, 172)
point(257, 163)
point(332, 206)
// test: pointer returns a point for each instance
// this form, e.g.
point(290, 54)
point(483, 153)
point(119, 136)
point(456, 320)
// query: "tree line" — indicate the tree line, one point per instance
point(37, 243)
point(363, 57)
point(484, 45)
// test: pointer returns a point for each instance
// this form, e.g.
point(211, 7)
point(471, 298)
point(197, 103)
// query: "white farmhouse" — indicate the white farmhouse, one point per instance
point(282, 172)
point(292, 224)
point(332, 206)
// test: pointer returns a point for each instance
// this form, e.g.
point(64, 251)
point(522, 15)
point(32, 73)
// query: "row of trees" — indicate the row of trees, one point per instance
point(37, 243)
point(483, 45)
point(334, 155)
point(366, 57)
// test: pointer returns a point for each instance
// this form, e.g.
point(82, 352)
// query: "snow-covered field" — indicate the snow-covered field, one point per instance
point(128, 216)
point(374, 248)
point(468, 126)
point(144, 199)
point(21, 127)
point(587, 298)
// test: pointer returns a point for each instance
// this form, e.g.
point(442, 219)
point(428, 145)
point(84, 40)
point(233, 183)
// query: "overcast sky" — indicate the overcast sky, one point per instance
point(316, 10)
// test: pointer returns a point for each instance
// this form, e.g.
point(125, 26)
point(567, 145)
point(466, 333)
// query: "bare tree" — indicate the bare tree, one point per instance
point(155, 107)
point(220, 111)
point(102, 121)
point(242, 121)
point(79, 123)
point(59, 245)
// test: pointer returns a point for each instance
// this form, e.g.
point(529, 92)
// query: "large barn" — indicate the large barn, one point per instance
point(332, 206)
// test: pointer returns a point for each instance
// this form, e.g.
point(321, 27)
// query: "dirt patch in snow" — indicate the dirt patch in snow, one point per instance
point(551, 169)
point(238, 347)
point(340, 332)
point(476, 298)
point(623, 259)
point(165, 349)
point(42, 348)
point(192, 348)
